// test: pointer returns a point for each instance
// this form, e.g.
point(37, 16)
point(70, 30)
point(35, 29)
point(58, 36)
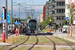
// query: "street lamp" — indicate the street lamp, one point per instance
point(32, 12)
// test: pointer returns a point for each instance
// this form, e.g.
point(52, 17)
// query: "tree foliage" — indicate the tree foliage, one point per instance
point(47, 21)
point(71, 14)
point(29, 17)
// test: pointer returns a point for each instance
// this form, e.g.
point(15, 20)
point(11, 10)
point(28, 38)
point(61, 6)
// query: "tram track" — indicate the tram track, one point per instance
point(34, 44)
point(19, 44)
point(54, 45)
point(65, 42)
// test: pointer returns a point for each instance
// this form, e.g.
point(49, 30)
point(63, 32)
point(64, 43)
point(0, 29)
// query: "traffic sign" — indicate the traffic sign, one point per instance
point(67, 18)
point(8, 17)
point(2, 17)
point(4, 21)
point(47, 25)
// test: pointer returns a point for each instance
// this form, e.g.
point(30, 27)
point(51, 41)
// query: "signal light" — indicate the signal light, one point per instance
point(5, 15)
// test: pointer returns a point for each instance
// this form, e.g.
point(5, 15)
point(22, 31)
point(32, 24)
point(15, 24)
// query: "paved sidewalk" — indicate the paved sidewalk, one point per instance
point(4, 44)
point(64, 35)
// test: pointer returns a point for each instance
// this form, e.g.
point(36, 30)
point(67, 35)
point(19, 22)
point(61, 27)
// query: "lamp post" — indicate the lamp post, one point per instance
point(32, 12)
point(50, 25)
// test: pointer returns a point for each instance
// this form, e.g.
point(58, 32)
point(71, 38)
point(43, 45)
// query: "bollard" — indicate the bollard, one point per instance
point(18, 32)
point(4, 37)
point(3, 32)
point(50, 30)
point(15, 32)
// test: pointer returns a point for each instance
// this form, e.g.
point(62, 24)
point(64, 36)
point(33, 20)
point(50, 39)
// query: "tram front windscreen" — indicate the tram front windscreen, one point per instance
point(32, 25)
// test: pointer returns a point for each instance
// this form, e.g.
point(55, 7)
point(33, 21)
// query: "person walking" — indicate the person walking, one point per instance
point(24, 29)
point(61, 29)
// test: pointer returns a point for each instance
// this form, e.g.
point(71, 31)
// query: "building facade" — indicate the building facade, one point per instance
point(44, 12)
point(57, 8)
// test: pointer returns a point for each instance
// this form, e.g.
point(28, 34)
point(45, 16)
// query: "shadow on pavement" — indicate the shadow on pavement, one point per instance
point(48, 33)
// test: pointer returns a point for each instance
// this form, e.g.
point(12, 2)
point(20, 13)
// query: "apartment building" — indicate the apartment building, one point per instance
point(57, 8)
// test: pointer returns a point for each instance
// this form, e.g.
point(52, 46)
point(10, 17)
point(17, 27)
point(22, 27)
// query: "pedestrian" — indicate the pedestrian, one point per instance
point(24, 30)
point(20, 29)
point(61, 29)
point(14, 29)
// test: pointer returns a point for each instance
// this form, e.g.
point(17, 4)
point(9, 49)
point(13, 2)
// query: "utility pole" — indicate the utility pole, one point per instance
point(6, 25)
point(19, 10)
point(11, 15)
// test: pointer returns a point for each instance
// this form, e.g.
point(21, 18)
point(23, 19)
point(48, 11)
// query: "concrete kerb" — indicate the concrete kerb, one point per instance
point(64, 38)
point(67, 38)
point(4, 44)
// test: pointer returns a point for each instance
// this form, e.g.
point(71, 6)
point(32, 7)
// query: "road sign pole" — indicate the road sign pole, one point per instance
point(11, 14)
point(6, 25)
point(3, 24)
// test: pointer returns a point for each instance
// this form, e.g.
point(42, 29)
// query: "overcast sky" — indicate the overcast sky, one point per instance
point(38, 9)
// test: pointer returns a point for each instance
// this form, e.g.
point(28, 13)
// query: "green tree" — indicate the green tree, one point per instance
point(29, 17)
point(47, 21)
point(52, 19)
point(71, 15)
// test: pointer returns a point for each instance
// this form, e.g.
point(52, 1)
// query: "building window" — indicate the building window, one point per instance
point(63, 17)
point(63, 10)
point(60, 3)
point(55, 3)
point(60, 18)
point(53, 12)
point(57, 18)
point(59, 10)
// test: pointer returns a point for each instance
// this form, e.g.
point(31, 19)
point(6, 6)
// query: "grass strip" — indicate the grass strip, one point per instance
point(31, 40)
point(2, 47)
point(42, 39)
point(57, 41)
point(66, 40)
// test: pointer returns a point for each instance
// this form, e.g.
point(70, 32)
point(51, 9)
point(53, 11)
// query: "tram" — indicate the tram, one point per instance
point(32, 26)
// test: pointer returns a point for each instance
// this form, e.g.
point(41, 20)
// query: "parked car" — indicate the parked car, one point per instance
point(9, 27)
point(65, 29)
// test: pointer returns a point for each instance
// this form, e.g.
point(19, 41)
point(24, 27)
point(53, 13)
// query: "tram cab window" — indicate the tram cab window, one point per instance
point(32, 25)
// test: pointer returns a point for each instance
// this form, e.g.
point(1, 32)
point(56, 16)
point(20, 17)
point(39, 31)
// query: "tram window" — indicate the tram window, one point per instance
point(32, 25)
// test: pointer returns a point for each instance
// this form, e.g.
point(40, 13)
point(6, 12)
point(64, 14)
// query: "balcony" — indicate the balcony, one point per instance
point(59, 14)
point(59, 0)
point(58, 21)
point(59, 7)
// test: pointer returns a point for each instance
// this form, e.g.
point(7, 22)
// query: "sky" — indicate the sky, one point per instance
point(38, 9)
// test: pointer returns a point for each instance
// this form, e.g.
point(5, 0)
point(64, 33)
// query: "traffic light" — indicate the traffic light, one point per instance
point(5, 15)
